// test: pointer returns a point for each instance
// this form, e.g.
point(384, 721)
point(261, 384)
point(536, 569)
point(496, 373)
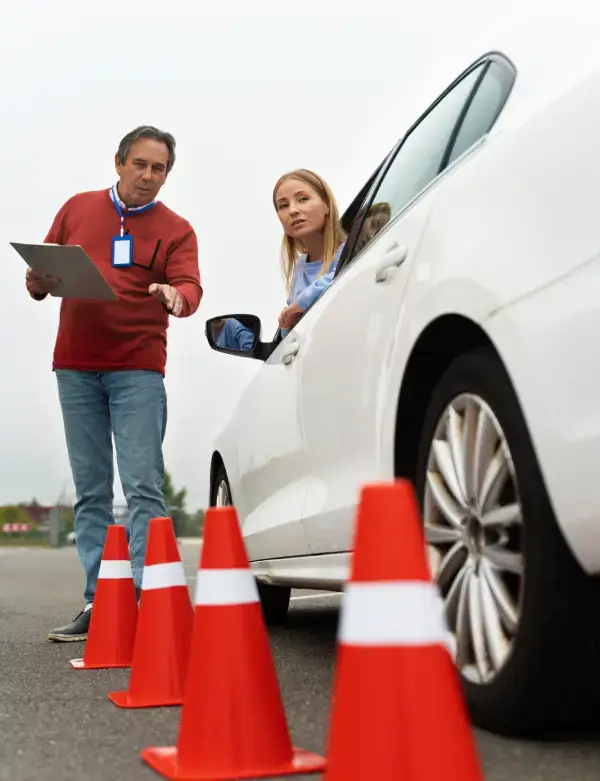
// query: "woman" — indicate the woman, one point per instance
point(312, 242)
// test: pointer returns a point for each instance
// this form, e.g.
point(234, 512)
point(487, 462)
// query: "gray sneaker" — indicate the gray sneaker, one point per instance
point(74, 631)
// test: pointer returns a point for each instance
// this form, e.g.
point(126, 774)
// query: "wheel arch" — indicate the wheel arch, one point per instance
point(443, 340)
point(517, 700)
point(216, 461)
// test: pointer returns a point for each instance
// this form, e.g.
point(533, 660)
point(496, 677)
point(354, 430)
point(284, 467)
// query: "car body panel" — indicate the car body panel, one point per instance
point(265, 460)
point(549, 343)
point(340, 418)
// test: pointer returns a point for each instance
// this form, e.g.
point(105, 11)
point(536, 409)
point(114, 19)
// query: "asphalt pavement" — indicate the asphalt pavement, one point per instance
point(57, 723)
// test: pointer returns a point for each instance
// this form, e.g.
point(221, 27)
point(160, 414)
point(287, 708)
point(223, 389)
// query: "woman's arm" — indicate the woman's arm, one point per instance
point(310, 293)
point(242, 336)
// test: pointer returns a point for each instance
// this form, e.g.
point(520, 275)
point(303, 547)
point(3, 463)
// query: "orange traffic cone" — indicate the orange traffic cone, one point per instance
point(114, 614)
point(233, 722)
point(164, 627)
point(395, 685)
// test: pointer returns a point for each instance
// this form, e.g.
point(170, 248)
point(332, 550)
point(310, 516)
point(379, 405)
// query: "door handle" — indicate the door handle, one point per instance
point(393, 258)
point(289, 352)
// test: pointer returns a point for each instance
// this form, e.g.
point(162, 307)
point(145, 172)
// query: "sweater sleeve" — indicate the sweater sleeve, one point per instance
point(235, 336)
point(244, 338)
point(310, 293)
point(56, 235)
point(183, 272)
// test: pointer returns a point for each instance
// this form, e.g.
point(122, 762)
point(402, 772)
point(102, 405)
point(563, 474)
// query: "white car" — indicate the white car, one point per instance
point(457, 347)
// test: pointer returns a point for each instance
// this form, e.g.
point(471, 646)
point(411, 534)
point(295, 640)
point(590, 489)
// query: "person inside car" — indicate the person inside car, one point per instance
point(377, 218)
point(312, 242)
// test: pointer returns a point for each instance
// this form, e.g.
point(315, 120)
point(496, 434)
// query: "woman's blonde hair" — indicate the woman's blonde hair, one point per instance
point(334, 234)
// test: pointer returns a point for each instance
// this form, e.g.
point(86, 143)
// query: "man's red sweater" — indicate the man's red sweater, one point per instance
point(130, 333)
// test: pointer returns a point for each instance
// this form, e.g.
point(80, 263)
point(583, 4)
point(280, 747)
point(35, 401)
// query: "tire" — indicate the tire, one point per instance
point(274, 600)
point(547, 681)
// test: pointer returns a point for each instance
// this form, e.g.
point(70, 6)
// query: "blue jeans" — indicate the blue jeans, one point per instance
point(130, 406)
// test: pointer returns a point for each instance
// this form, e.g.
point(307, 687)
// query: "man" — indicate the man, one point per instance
point(110, 356)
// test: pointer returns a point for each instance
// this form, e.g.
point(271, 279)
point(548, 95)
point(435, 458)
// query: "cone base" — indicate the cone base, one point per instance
point(124, 699)
point(81, 664)
point(164, 760)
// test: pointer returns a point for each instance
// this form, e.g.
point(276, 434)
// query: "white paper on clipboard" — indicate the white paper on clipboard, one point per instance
point(79, 276)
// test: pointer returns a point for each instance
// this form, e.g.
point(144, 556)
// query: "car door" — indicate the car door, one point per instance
point(271, 473)
point(349, 335)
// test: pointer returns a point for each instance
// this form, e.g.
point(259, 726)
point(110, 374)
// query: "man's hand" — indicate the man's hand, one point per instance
point(40, 284)
point(290, 316)
point(169, 297)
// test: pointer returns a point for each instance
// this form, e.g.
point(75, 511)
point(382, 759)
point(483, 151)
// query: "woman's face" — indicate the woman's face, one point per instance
point(301, 210)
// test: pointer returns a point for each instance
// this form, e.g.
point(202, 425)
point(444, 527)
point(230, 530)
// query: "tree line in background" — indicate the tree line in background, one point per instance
point(187, 524)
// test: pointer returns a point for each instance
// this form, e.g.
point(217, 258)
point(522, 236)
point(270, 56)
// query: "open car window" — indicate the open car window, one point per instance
point(453, 124)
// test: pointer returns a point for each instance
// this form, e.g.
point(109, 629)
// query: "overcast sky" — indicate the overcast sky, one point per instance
point(250, 90)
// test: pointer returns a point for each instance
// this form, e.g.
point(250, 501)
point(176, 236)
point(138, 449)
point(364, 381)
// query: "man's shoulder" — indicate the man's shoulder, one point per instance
point(175, 219)
point(86, 198)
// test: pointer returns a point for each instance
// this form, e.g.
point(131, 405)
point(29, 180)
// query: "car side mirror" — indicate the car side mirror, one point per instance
point(237, 335)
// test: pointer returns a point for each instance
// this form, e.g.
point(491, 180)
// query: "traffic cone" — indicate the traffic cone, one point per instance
point(396, 687)
point(114, 614)
point(233, 723)
point(162, 639)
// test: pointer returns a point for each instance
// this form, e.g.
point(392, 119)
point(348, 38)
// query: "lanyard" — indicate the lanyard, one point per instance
point(136, 209)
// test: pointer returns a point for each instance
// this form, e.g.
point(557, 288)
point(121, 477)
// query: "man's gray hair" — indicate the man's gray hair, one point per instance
point(147, 131)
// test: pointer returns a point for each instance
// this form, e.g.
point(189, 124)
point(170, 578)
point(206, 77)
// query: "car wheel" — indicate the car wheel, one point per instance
point(275, 600)
point(518, 604)
point(222, 493)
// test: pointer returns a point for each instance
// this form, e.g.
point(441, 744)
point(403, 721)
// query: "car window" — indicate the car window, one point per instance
point(418, 160)
point(485, 107)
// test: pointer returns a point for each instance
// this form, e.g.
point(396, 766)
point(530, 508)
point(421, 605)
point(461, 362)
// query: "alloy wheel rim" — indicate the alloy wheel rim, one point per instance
point(223, 499)
point(473, 527)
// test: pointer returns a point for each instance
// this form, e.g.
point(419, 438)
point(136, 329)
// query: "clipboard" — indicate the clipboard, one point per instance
point(78, 274)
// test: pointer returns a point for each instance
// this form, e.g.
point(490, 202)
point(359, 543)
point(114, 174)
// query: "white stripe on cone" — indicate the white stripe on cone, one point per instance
point(115, 570)
point(225, 587)
point(393, 613)
point(163, 576)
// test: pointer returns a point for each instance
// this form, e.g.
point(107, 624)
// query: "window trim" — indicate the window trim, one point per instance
point(461, 117)
point(508, 77)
